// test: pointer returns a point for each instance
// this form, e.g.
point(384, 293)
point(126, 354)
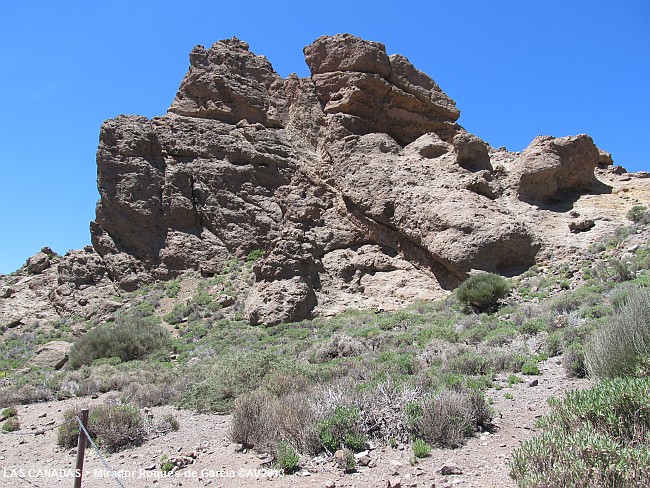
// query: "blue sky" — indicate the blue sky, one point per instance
point(515, 68)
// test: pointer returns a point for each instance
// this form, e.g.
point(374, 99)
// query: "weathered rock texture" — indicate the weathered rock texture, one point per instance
point(355, 182)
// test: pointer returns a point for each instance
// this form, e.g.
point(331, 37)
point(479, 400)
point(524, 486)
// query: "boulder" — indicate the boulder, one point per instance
point(54, 354)
point(38, 263)
point(550, 167)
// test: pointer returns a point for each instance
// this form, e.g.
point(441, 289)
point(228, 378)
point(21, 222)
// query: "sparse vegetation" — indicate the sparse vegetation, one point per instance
point(621, 347)
point(113, 426)
point(597, 437)
point(412, 378)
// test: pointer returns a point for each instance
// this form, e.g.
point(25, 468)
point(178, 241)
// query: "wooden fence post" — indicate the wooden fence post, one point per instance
point(81, 449)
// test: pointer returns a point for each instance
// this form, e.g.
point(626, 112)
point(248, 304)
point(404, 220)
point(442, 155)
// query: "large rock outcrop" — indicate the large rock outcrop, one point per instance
point(350, 180)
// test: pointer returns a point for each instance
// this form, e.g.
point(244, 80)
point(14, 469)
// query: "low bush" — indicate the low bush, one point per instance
point(252, 424)
point(117, 426)
point(127, 338)
point(286, 458)
point(68, 433)
point(622, 344)
point(483, 291)
point(345, 460)
point(421, 449)
point(574, 360)
point(448, 417)
point(530, 367)
point(596, 437)
point(112, 426)
point(12, 424)
point(261, 420)
point(638, 214)
point(168, 423)
point(342, 429)
point(9, 412)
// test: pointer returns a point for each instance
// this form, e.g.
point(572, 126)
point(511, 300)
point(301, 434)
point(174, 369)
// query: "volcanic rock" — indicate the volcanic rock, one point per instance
point(551, 166)
point(38, 263)
point(357, 183)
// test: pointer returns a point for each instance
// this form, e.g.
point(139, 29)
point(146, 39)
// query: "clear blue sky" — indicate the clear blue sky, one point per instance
point(515, 68)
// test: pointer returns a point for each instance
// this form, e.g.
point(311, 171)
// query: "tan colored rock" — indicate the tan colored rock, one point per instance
point(550, 167)
point(38, 263)
point(362, 162)
point(271, 303)
point(54, 354)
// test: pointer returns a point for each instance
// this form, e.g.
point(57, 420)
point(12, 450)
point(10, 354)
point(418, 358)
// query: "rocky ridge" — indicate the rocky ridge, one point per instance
point(357, 183)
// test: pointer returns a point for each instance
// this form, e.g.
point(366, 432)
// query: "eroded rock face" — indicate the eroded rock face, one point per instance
point(352, 180)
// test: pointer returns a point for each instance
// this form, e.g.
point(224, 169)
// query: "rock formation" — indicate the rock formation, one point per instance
point(357, 183)
point(359, 171)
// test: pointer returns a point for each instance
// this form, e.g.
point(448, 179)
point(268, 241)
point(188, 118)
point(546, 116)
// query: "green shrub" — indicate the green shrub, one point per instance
point(533, 327)
point(621, 345)
point(68, 433)
point(214, 387)
point(128, 338)
point(286, 458)
point(11, 424)
point(420, 448)
point(254, 255)
point(553, 346)
point(530, 367)
point(342, 429)
point(165, 464)
point(9, 412)
point(483, 291)
point(513, 379)
point(638, 214)
point(597, 437)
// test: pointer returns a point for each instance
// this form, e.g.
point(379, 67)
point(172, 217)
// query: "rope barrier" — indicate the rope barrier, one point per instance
point(81, 426)
point(99, 453)
point(40, 431)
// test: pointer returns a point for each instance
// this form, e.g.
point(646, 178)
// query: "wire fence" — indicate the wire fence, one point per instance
point(99, 453)
point(42, 431)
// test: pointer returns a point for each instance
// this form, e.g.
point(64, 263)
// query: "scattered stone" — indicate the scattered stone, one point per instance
point(582, 225)
point(364, 461)
point(534, 382)
point(449, 470)
point(394, 483)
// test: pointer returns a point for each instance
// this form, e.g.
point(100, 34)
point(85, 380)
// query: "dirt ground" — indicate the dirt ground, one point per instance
point(36, 460)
